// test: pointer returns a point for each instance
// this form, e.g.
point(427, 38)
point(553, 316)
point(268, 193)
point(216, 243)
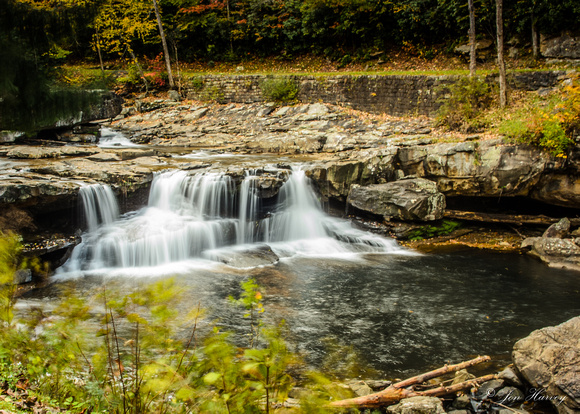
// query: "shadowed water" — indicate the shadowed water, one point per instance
point(402, 312)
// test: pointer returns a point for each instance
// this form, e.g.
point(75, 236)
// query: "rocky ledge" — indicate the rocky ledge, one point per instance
point(354, 158)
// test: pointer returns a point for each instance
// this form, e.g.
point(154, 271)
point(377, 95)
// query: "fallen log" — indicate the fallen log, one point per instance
point(403, 389)
point(504, 218)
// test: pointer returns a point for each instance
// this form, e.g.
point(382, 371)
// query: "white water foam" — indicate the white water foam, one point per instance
point(114, 139)
point(190, 216)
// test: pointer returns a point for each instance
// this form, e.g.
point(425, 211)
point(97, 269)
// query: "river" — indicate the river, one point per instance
point(399, 311)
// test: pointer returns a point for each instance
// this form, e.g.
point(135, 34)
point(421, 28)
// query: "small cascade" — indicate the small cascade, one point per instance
point(205, 196)
point(298, 215)
point(114, 139)
point(249, 206)
point(300, 226)
point(194, 217)
point(99, 205)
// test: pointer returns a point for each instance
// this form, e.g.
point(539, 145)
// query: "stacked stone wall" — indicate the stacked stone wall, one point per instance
point(391, 94)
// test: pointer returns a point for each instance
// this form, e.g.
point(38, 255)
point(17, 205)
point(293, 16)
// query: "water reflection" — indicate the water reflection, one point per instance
point(403, 314)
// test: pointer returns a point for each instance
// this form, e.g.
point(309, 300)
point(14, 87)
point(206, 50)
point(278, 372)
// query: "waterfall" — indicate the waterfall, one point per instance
point(298, 215)
point(113, 139)
point(248, 210)
point(194, 216)
point(99, 205)
point(300, 226)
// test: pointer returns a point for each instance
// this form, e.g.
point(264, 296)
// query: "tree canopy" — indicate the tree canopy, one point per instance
point(232, 29)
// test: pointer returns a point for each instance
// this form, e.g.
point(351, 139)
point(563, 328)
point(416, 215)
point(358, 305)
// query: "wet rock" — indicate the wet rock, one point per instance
point(37, 193)
point(104, 157)
point(509, 396)
point(408, 199)
point(510, 377)
point(193, 165)
point(558, 188)
point(131, 154)
point(378, 385)
point(28, 152)
point(461, 402)
point(22, 276)
point(269, 186)
point(417, 405)
point(359, 388)
point(258, 256)
point(554, 252)
point(549, 359)
point(488, 389)
point(558, 230)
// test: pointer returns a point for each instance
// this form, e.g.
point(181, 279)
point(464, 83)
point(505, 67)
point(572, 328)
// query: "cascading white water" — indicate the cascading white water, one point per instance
point(190, 216)
point(249, 202)
point(300, 226)
point(114, 139)
point(99, 205)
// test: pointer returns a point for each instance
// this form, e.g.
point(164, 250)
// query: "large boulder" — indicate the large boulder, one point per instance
point(553, 251)
point(418, 405)
point(407, 199)
point(549, 359)
point(562, 47)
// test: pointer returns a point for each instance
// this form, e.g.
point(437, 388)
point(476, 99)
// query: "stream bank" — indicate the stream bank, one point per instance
point(339, 149)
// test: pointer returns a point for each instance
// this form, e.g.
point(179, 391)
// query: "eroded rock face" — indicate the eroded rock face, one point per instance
point(549, 359)
point(410, 199)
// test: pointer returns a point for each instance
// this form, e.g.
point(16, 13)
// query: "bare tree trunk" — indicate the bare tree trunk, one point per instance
point(472, 55)
point(500, 58)
point(230, 28)
point(535, 37)
point(164, 43)
point(98, 44)
point(179, 83)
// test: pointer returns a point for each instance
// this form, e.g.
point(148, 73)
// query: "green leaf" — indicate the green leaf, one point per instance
point(211, 378)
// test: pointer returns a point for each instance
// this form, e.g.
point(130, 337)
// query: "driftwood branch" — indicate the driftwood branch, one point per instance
point(505, 218)
point(396, 392)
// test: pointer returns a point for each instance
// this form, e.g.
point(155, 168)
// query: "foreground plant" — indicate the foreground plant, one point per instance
point(134, 352)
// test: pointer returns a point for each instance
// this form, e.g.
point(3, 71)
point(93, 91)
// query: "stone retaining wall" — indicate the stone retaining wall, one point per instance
point(390, 94)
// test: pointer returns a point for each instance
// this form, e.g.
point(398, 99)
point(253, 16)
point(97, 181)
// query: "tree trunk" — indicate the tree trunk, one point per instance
point(472, 55)
point(98, 44)
point(535, 37)
point(500, 58)
point(519, 219)
point(164, 43)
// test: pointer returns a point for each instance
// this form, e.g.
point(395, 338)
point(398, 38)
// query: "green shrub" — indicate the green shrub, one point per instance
point(279, 89)
point(549, 123)
point(466, 100)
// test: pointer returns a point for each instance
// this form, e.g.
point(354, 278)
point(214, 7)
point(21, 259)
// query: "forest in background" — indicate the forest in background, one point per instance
point(53, 31)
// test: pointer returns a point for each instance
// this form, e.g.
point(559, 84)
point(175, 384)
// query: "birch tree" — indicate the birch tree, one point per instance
point(500, 58)
point(164, 44)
